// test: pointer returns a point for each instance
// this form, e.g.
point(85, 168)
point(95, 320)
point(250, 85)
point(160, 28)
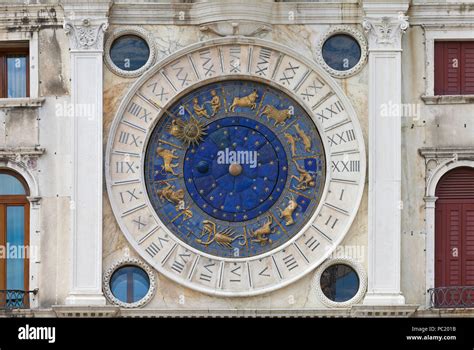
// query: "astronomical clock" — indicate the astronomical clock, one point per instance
point(235, 167)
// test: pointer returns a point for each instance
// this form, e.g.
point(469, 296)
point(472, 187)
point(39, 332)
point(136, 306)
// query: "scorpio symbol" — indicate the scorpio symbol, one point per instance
point(223, 238)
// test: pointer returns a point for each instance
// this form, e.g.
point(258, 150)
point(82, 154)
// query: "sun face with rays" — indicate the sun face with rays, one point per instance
point(189, 132)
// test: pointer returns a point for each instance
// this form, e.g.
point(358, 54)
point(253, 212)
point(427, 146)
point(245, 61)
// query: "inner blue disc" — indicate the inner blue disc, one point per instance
point(261, 174)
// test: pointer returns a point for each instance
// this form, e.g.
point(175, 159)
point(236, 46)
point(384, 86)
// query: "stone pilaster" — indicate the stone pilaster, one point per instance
point(384, 25)
point(86, 44)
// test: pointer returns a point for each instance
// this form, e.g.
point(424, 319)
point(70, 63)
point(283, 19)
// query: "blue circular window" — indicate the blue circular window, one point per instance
point(129, 284)
point(341, 52)
point(129, 52)
point(339, 283)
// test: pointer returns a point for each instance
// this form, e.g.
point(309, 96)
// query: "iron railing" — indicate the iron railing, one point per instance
point(452, 297)
point(15, 299)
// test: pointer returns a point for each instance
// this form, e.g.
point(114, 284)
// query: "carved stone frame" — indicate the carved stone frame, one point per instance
point(127, 261)
point(137, 31)
point(438, 161)
point(352, 32)
point(358, 268)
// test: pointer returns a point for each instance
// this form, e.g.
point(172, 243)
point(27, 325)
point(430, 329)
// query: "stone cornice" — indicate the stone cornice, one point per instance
point(447, 152)
point(21, 17)
point(27, 157)
point(442, 14)
point(210, 12)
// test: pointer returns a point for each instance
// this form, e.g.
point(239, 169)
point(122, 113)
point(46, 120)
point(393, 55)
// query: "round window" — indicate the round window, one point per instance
point(129, 52)
point(339, 283)
point(341, 52)
point(129, 284)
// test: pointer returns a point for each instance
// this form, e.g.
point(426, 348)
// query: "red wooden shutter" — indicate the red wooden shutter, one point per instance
point(468, 244)
point(454, 68)
point(467, 68)
point(454, 230)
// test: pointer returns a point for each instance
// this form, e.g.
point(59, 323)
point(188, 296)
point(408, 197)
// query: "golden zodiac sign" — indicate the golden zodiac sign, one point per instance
point(304, 137)
point(223, 238)
point(246, 101)
point(279, 116)
point(305, 180)
point(176, 198)
point(215, 103)
point(287, 213)
point(189, 132)
point(199, 110)
point(260, 234)
point(168, 156)
point(292, 142)
point(172, 196)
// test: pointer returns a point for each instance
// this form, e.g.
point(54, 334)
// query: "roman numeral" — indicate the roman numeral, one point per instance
point(342, 195)
point(328, 112)
point(180, 262)
point(264, 273)
point(207, 64)
point(153, 249)
point(290, 262)
point(129, 139)
point(349, 166)
point(139, 222)
point(182, 77)
point(138, 111)
point(341, 137)
point(263, 61)
point(289, 73)
point(130, 194)
point(234, 59)
point(161, 95)
point(312, 243)
point(328, 222)
point(236, 274)
point(124, 167)
point(311, 90)
point(207, 276)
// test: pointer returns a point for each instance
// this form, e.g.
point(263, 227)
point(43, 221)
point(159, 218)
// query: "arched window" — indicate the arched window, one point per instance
point(14, 239)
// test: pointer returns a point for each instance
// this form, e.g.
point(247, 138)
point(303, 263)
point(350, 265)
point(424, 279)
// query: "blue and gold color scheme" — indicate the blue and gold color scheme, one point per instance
point(235, 169)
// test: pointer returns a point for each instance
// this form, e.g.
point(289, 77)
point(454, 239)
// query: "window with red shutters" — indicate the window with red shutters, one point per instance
point(454, 67)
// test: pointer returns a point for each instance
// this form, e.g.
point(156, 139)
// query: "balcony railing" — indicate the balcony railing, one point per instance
point(452, 297)
point(15, 299)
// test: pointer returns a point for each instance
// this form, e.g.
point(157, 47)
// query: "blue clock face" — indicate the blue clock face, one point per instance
point(235, 169)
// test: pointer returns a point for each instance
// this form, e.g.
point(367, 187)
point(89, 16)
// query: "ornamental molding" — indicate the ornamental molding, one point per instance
point(26, 157)
point(358, 268)
point(351, 31)
point(86, 35)
point(385, 32)
point(439, 160)
point(130, 30)
point(127, 261)
point(229, 28)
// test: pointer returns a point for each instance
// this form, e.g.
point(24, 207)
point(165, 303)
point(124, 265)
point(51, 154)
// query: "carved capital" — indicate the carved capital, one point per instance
point(385, 32)
point(85, 35)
